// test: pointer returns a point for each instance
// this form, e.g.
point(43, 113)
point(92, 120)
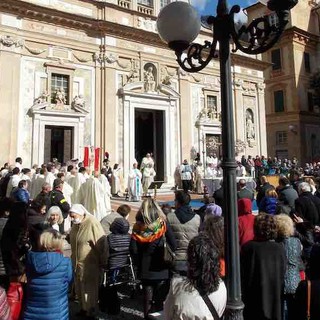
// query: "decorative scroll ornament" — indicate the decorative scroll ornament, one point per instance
point(240, 146)
point(82, 59)
point(8, 41)
point(35, 51)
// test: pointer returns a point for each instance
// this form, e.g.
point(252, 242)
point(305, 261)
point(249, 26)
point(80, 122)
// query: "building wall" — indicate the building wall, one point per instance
point(301, 36)
point(107, 65)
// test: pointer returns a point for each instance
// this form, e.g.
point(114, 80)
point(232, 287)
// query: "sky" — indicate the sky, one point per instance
point(207, 7)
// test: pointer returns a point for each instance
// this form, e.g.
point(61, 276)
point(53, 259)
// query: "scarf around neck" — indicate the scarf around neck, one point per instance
point(148, 233)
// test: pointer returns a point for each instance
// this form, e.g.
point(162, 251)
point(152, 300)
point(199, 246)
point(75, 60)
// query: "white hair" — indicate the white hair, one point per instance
point(304, 187)
point(52, 210)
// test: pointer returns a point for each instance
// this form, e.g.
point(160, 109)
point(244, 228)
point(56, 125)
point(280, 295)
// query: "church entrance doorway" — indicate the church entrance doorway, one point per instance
point(149, 138)
point(58, 144)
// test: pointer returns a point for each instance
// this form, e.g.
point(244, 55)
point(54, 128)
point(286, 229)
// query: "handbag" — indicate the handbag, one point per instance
point(14, 297)
point(169, 256)
point(210, 306)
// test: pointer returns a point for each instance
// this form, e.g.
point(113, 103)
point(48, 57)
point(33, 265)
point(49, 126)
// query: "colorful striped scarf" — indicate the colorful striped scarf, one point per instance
point(149, 233)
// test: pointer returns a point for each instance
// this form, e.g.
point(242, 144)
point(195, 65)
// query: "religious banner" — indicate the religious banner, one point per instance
point(91, 158)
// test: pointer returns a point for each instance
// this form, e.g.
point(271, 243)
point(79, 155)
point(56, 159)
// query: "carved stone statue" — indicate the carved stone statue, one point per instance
point(41, 101)
point(60, 99)
point(78, 104)
point(149, 84)
point(249, 127)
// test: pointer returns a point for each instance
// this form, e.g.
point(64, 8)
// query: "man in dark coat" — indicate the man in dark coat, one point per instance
point(307, 206)
point(287, 195)
point(244, 192)
point(265, 185)
point(57, 198)
point(218, 195)
point(263, 265)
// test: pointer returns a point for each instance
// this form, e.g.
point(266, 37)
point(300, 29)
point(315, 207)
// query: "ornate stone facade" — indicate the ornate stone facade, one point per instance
point(99, 69)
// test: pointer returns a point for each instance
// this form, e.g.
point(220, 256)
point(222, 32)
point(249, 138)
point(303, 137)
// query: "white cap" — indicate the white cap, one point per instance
point(78, 209)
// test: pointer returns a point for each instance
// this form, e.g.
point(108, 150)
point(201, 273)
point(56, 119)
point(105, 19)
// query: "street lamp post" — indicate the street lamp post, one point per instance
point(178, 25)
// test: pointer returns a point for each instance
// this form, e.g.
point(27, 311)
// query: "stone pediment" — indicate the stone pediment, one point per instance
point(138, 89)
point(46, 109)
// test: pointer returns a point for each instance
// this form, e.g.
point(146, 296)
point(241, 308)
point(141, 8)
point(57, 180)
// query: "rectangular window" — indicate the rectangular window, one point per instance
point(278, 101)
point(212, 102)
point(310, 101)
point(59, 81)
point(306, 57)
point(276, 59)
point(148, 3)
point(163, 3)
point(281, 137)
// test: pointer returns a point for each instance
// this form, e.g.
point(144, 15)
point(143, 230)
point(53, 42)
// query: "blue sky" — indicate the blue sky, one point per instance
point(206, 7)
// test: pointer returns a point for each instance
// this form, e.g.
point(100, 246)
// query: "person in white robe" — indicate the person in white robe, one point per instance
point(148, 172)
point(13, 182)
point(115, 180)
point(75, 181)
point(37, 183)
point(134, 183)
point(49, 176)
point(198, 178)
point(92, 196)
point(107, 190)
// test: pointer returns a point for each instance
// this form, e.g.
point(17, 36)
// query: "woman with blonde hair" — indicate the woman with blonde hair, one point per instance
point(292, 246)
point(49, 274)
point(149, 234)
point(269, 202)
point(54, 219)
point(312, 184)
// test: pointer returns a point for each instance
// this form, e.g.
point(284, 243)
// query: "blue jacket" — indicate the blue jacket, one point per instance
point(268, 205)
point(20, 194)
point(49, 275)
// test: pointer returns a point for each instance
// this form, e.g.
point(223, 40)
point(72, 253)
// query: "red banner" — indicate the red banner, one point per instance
point(96, 159)
point(86, 157)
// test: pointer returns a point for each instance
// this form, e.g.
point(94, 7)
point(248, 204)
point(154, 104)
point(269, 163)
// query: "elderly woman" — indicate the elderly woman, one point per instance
point(186, 298)
point(149, 234)
point(292, 246)
point(54, 219)
point(49, 274)
point(86, 239)
point(263, 265)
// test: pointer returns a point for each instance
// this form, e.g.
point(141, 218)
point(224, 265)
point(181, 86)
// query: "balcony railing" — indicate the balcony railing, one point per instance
point(125, 4)
point(145, 9)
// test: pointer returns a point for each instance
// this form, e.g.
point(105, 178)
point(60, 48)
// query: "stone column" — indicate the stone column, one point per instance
point(186, 121)
point(262, 129)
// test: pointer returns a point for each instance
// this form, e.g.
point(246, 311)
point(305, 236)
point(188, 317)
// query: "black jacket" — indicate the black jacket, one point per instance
point(262, 192)
point(149, 257)
point(57, 199)
point(288, 195)
point(245, 193)
point(307, 206)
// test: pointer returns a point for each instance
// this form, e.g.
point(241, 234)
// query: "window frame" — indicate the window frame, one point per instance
point(307, 64)
point(275, 103)
point(276, 65)
point(281, 138)
point(63, 71)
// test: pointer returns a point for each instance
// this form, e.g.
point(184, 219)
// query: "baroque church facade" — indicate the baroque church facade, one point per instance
point(76, 73)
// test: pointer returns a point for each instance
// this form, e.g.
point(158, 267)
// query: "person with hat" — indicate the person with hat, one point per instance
point(87, 240)
point(57, 198)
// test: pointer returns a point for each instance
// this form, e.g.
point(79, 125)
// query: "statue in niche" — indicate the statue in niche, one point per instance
point(78, 104)
point(250, 133)
point(41, 102)
point(149, 81)
point(60, 99)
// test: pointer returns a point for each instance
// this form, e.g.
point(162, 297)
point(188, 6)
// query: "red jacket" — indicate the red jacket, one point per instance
point(246, 221)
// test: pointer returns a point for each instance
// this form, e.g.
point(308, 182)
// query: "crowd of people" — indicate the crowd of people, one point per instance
point(177, 251)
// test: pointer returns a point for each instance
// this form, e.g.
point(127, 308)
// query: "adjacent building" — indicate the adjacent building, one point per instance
point(292, 113)
point(76, 73)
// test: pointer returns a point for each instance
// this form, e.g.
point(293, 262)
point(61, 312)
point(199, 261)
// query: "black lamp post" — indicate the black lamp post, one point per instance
point(178, 25)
